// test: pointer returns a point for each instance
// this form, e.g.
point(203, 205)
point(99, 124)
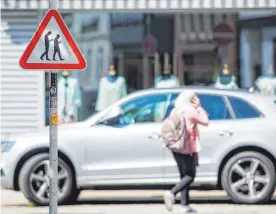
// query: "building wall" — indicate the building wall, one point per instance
point(268, 34)
point(22, 92)
point(126, 28)
point(250, 55)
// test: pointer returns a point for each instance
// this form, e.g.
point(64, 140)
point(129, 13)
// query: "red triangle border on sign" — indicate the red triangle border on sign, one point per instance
point(53, 66)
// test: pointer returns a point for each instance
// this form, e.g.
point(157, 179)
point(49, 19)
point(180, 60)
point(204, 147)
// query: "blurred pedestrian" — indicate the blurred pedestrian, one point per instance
point(187, 105)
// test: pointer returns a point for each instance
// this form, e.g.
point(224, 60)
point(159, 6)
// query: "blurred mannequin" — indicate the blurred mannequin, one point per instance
point(266, 83)
point(69, 95)
point(167, 79)
point(111, 89)
point(226, 80)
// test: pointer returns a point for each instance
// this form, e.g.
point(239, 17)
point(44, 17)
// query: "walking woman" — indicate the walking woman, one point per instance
point(187, 105)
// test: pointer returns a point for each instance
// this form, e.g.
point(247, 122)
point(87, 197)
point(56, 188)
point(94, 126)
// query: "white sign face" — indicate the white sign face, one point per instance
point(52, 45)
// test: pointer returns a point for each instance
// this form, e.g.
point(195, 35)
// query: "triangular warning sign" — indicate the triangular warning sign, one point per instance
point(52, 47)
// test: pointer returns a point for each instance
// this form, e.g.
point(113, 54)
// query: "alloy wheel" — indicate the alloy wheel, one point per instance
point(249, 178)
point(39, 180)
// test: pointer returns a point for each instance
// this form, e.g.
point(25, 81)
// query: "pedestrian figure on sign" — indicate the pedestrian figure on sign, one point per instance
point(56, 48)
point(47, 44)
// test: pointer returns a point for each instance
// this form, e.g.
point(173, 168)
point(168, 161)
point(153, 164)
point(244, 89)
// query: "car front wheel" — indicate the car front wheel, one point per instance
point(249, 178)
point(35, 184)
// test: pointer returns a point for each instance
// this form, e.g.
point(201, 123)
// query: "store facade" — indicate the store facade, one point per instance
point(257, 45)
point(145, 5)
point(92, 33)
point(199, 51)
point(21, 17)
point(188, 36)
point(22, 92)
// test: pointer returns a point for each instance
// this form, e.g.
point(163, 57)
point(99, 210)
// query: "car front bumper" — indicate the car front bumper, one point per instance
point(6, 174)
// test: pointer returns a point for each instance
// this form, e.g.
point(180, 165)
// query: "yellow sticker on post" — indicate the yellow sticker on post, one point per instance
point(54, 118)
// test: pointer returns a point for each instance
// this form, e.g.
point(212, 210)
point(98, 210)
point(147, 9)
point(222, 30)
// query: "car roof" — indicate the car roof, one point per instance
point(201, 89)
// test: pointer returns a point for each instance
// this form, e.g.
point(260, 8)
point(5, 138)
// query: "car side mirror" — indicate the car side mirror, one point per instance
point(112, 117)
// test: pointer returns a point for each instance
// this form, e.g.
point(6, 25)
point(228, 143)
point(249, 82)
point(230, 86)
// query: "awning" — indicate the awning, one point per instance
point(143, 5)
point(197, 29)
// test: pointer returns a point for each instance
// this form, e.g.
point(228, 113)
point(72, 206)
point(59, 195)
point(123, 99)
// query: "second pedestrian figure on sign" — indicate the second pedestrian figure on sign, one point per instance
point(181, 135)
point(57, 48)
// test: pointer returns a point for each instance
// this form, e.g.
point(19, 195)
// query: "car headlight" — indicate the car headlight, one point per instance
point(6, 145)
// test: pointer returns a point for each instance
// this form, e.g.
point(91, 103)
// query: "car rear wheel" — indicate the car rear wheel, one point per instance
point(249, 178)
point(35, 184)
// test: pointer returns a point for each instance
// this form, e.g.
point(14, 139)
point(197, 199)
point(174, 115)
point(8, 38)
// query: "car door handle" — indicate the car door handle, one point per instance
point(225, 134)
point(154, 136)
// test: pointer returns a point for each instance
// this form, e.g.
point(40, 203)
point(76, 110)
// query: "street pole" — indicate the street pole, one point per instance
point(53, 168)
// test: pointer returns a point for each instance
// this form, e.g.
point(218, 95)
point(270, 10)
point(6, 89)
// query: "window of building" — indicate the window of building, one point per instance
point(274, 54)
point(242, 109)
point(192, 22)
point(99, 63)
point(90, 26)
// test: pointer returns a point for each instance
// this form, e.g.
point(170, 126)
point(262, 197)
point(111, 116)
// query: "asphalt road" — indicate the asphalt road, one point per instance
point(134, 202)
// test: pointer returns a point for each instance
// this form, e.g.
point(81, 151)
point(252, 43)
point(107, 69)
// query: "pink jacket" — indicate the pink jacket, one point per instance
point(193, 118)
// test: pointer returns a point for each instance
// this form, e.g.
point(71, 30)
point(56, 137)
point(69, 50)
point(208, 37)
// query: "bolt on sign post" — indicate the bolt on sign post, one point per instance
point(52, 48)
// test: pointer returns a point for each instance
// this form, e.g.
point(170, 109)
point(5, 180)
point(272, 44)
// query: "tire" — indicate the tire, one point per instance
point(265, 172)
point(29, 188)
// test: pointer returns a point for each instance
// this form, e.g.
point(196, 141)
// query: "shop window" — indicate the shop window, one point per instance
point(192, 22)
point(99, 69)
point(201, 22)
point(91, 26)
point(132, 77)
point(274, 53)
point(188, 59)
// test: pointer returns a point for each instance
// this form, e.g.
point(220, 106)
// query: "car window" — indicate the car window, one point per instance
point(146, 109)
point(171, 104)
point(243, 109)
point(214, 105)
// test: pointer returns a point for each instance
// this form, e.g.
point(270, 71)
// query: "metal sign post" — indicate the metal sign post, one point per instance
point(53, 48)
point(53, 169)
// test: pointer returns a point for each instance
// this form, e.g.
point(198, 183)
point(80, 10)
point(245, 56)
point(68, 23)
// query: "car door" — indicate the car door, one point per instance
point(218, 131)
point(249, 121)
point(214, 136)
point(127, 152)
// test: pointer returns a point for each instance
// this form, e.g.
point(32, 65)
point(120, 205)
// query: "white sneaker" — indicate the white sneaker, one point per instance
point(169, 200)
point(187, 209)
